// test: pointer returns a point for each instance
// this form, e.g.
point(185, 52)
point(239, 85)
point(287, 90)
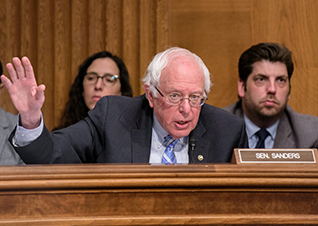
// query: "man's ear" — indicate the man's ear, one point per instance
point(149, 94)
point(241, 88)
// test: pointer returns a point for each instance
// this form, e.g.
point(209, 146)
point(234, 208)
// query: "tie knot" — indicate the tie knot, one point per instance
point(262, 134)
point(169, 139)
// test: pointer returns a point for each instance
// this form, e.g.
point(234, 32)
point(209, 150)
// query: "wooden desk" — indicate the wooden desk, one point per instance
point(107, 194)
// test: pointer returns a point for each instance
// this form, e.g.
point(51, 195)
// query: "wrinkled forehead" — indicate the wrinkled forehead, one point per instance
point(183, 73)
point(181, 67)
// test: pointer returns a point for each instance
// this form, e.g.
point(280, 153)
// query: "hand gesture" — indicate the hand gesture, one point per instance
point(26, 95)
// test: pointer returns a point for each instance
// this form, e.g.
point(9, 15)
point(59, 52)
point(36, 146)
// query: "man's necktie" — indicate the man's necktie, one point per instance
point(262, 134)
point(169, 156)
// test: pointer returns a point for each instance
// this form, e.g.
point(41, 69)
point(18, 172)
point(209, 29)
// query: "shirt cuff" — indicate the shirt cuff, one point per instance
point(24, 136)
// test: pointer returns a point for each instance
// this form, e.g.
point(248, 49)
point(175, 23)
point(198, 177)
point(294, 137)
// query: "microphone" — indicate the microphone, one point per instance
point(192, 143)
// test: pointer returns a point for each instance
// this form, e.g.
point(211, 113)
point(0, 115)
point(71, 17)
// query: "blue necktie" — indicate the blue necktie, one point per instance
point(169, 156)
point(262, 134)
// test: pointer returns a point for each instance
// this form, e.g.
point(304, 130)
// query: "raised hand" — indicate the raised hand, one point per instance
point(26, 95)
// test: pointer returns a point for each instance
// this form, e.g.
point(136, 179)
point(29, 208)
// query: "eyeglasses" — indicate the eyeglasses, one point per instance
point(177, 98)
point(107, 79)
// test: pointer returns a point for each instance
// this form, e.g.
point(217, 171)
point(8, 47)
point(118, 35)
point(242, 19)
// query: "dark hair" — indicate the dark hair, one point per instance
point(76, 109)
point(1, 71)
point(270, 51)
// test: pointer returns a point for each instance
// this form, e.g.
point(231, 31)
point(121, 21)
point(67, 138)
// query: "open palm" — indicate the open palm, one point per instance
point(26, 95)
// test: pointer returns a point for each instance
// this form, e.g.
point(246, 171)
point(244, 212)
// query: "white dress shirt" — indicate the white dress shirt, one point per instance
point(158, 145)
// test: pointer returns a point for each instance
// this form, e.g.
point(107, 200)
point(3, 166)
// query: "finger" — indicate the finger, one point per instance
point(12, 72)
point(39, 95)
point(18, 67)
point(6, 81)
point(28, 67)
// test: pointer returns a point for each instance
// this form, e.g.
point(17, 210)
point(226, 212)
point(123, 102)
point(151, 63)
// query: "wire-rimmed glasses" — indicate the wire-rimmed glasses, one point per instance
point(175, 98)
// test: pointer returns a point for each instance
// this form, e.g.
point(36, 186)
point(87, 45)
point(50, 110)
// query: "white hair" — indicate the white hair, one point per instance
point(160, 61)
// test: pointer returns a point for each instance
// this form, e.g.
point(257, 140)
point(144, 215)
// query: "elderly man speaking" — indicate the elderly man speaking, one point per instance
point(169, 124)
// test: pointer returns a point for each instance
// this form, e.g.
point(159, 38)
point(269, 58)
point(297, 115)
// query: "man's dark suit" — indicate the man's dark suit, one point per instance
point(119, 130)
point(294, 130)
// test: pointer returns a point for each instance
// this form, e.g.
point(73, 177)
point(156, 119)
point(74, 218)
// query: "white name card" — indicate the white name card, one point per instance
point(275, 155)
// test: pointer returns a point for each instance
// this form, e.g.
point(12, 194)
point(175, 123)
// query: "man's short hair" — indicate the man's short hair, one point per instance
point(161, 60)
point(270, 51)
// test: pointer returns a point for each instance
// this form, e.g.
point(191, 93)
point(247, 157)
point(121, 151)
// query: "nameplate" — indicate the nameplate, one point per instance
point(275, 155)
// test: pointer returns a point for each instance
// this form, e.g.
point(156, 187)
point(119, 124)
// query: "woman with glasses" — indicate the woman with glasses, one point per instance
point(99, 75)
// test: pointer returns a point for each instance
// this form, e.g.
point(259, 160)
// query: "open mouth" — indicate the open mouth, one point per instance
point(183, 123)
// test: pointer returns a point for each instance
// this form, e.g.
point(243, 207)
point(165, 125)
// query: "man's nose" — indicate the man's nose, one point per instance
point(185, 105)
point(271, 87)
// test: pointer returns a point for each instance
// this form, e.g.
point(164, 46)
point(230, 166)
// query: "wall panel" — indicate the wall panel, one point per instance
point(58, 35)
point(28, 21)
point(163, 25)
point(62, 56)
point(96, 26)
point(217, 31)
point(79, 33)
point(147, 40)
point(45, 70)
point(10, 41)
point(114, 27)
point(293, 23)
point(130, 43)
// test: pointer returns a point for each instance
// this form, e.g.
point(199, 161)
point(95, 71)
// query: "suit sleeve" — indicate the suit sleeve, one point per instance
point(78, 143)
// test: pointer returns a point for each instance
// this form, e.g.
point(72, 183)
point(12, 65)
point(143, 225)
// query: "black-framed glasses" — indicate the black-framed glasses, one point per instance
point(175, 98)
point(107, 79)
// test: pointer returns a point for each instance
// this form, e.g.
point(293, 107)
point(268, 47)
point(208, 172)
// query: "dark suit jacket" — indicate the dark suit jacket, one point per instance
point(294, 130)
point(119, 130)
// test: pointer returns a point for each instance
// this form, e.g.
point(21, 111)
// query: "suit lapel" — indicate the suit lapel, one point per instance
point(141, 135)
point(201, 151)
point(238, 111)
point(284, 136)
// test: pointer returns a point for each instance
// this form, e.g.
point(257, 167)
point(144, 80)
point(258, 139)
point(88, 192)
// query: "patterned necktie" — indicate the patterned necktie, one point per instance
point(262, 134)
point(169, 156)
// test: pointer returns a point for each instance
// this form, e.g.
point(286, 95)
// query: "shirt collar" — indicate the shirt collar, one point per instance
point(251, 128)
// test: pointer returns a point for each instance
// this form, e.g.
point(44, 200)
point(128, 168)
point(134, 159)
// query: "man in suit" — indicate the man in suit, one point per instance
point(132, 130)
point(8, 121)
point(264, 86)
